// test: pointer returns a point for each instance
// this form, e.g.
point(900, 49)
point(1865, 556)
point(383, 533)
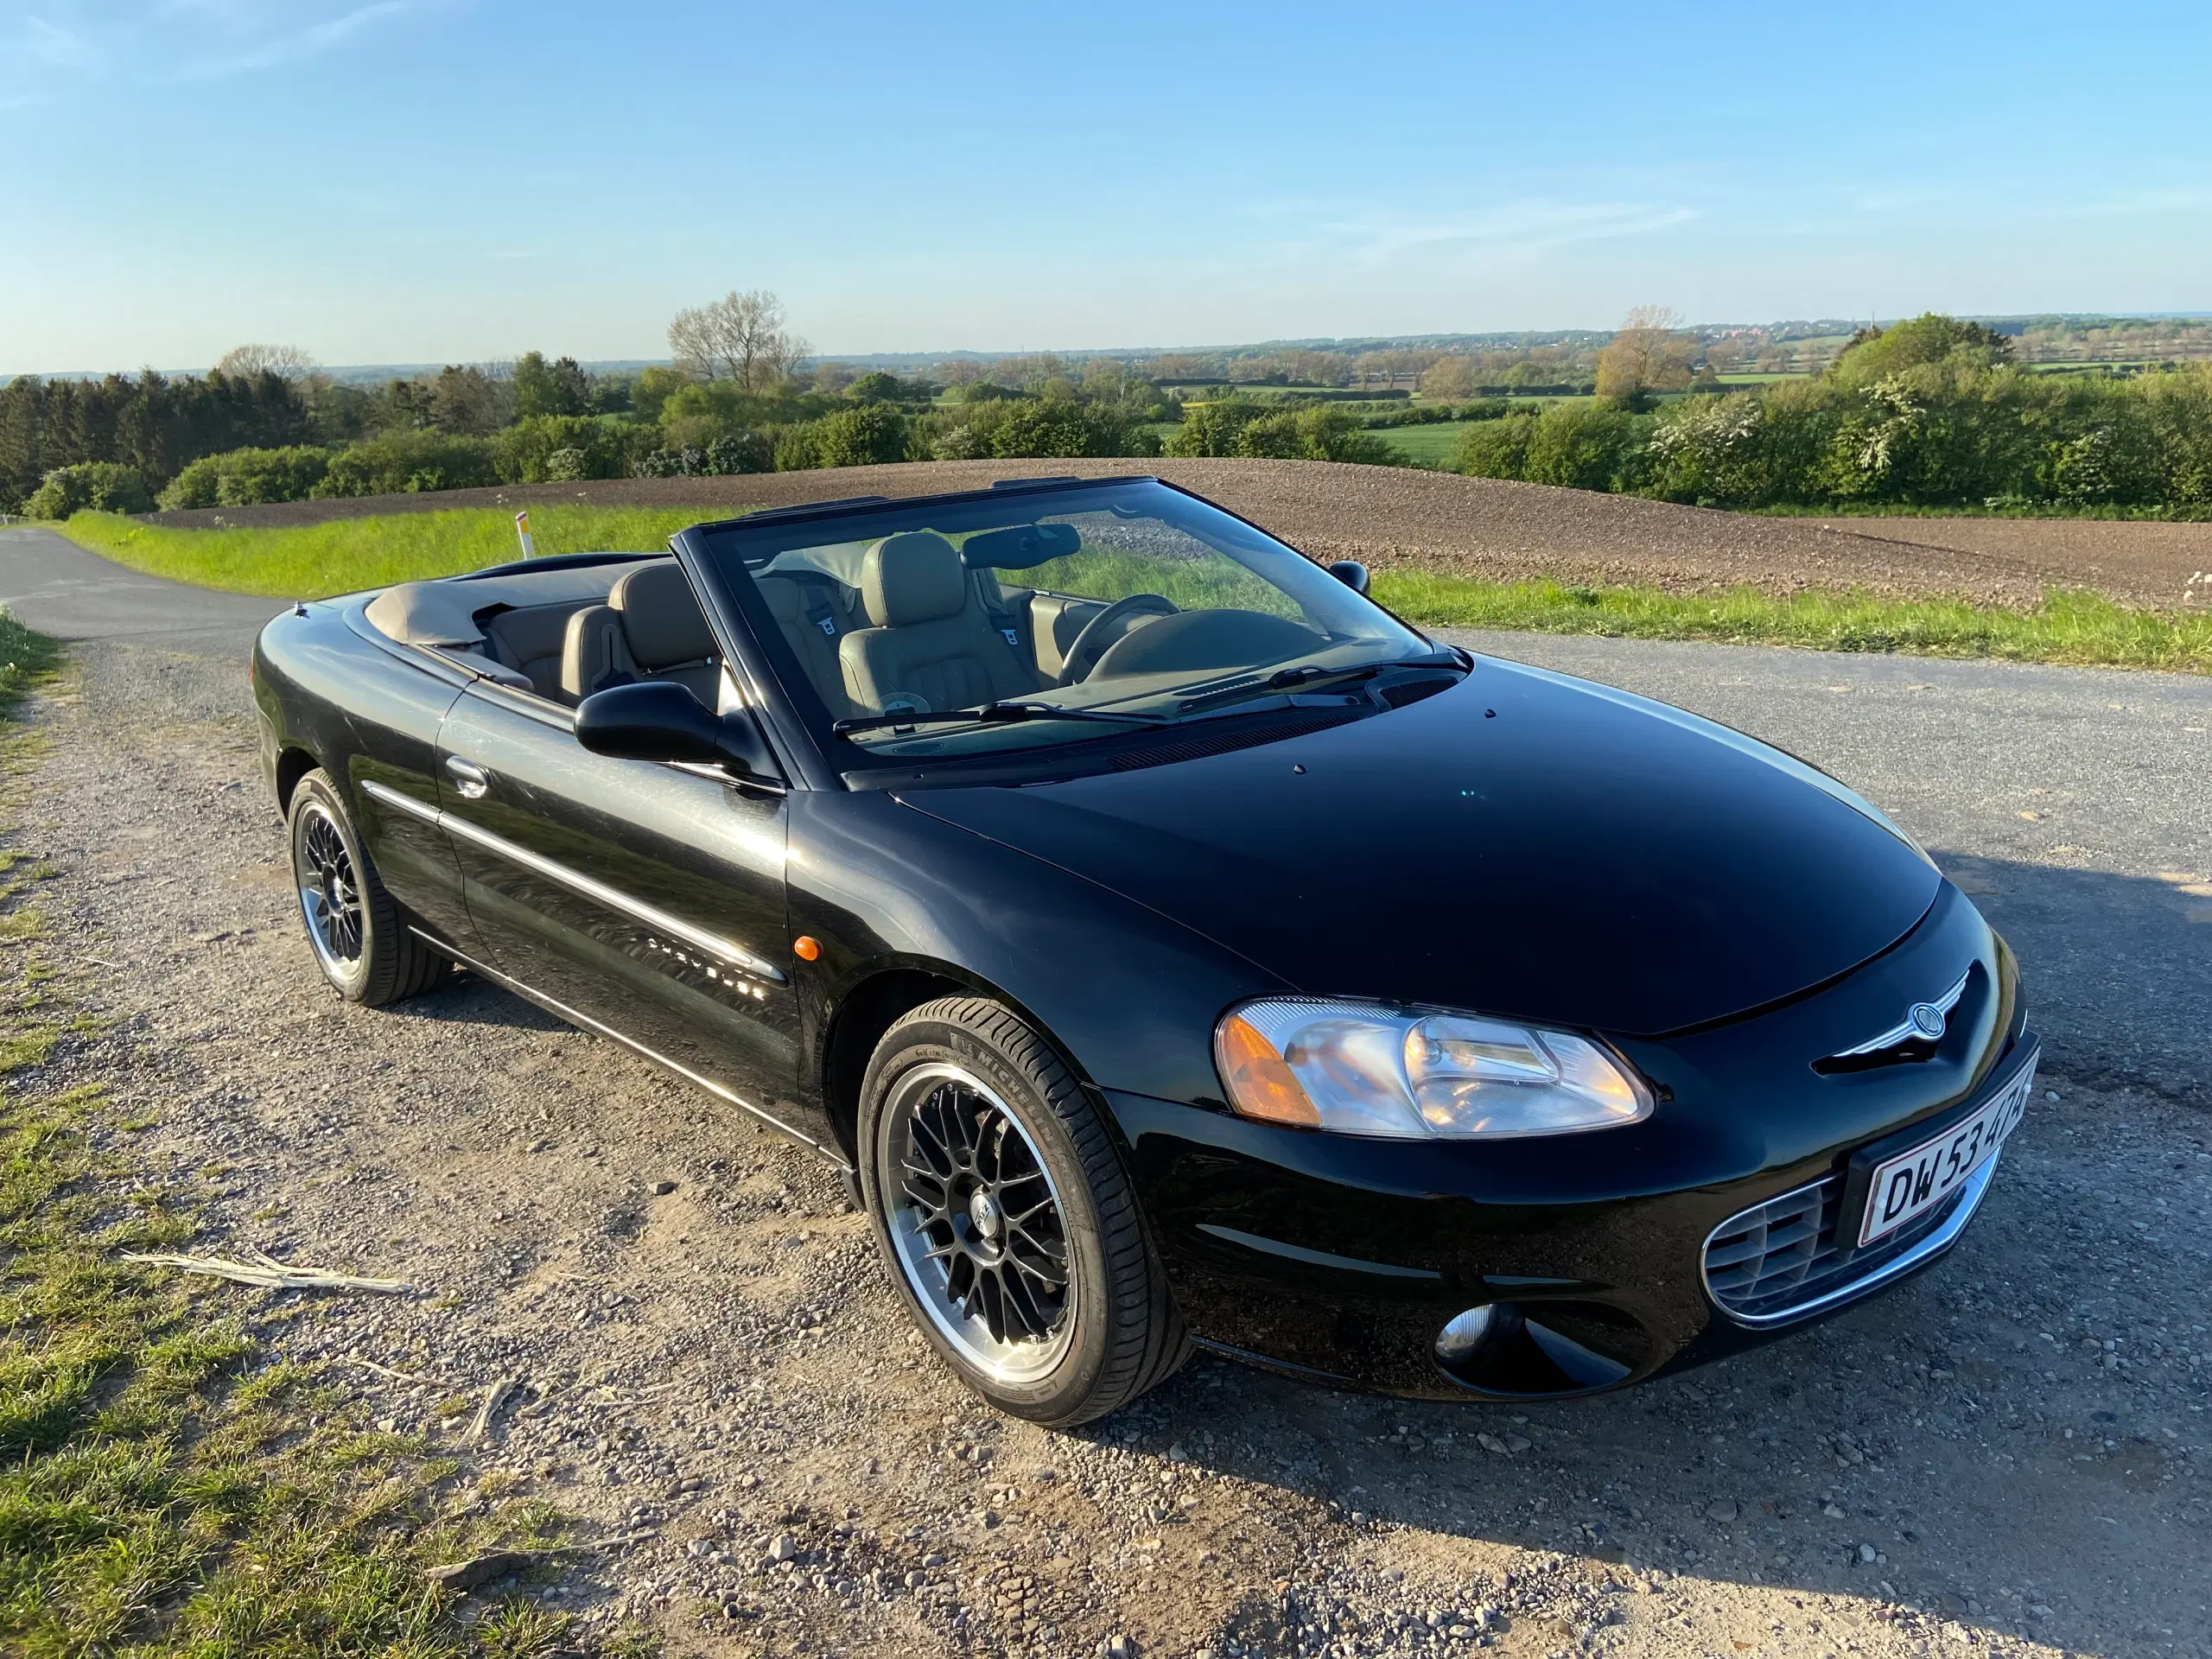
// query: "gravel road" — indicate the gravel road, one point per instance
point(2009, 1455)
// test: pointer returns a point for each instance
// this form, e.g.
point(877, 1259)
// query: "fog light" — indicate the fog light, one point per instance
point(1458, 1341)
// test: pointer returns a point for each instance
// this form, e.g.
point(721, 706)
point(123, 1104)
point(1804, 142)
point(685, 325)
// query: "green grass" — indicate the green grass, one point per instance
point(318, 560)
point(345, 555)
point(168, 1486)
point(2067, 626)
point(1426, 445)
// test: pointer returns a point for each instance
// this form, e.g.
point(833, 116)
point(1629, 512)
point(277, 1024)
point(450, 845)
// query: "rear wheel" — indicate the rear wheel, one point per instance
point(360, 941)
point(1003, 1210)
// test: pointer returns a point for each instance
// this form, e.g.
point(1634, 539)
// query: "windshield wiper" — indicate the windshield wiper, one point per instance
point(994, 714)
point(1305, 677)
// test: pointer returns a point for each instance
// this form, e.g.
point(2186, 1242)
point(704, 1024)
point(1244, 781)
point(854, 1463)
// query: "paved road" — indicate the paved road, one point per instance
point(171, 651)
point(2076, 804)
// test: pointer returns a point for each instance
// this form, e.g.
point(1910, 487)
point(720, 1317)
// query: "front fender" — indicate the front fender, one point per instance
point(1130, 996)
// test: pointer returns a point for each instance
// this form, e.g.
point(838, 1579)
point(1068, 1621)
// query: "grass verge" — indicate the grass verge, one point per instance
point(346, 555)
point(2067, 626)
point(169, 1486)
point(315, 561)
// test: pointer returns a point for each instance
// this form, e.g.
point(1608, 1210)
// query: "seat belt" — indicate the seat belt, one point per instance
point(993, 599)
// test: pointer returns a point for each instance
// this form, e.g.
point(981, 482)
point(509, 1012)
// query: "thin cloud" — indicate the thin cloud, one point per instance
point(1512, 228)
point(302, 43)
point(174, 41)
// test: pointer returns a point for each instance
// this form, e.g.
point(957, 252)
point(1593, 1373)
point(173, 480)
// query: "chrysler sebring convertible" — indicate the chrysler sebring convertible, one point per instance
point(1168, 944)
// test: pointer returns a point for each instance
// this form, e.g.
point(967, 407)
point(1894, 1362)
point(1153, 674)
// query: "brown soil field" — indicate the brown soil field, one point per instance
point(1480, 527)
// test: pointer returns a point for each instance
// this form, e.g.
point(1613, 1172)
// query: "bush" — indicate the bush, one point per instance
point(245, 478)
point(93, 486)
point(741, 452)
point(1496, 448)
point(407, 462)
point(1579, 446)
point(1055, 428)
point(1214, 429)
point(866, 436)
point(566, 466)
point(524, 451)
point(960, 442)
point(1316, 434)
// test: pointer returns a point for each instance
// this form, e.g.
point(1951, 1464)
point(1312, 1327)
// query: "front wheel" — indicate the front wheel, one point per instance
point(1004, 1213)
point(361, 943)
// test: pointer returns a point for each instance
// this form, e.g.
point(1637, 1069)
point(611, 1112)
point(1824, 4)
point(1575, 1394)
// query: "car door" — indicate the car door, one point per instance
point(647, 899)
point(386, 748)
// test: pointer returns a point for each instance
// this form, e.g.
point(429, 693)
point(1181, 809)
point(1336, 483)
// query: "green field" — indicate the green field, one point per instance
point(1425, 446)
point(343, 557)
point(346, 555)
point(2066, 627)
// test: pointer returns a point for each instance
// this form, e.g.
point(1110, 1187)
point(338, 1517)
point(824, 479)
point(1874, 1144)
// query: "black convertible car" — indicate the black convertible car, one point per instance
point(1169, 943)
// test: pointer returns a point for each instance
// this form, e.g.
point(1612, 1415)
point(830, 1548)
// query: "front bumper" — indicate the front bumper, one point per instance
point(1341, 1258)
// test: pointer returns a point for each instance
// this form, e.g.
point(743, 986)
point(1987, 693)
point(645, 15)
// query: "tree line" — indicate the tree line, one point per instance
point(1932, 412)
point(1936, 411)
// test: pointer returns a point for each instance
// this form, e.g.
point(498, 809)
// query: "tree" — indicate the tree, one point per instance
point(1451, 375)
point(1873, 353)
point(1647, 355)
point(244, 362)
point(876, 387)
point(740, 337)
point(560, 387)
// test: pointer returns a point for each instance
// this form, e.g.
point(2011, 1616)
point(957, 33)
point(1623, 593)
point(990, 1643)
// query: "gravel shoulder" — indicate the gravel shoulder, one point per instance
point(1480, 527)
point(2009, 1455)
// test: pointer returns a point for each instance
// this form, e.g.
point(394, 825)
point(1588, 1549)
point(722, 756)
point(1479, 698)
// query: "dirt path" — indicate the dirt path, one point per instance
point(1387, 515)
point(2009, 1455)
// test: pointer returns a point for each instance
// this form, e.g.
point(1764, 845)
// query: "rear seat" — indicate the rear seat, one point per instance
point(528, 639)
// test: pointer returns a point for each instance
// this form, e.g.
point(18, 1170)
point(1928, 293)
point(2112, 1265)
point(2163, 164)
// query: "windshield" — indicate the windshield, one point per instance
point(985, 624)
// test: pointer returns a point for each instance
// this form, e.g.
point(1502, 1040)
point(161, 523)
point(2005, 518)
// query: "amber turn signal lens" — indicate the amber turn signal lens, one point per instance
point(1260, 1084)
point(806, 948)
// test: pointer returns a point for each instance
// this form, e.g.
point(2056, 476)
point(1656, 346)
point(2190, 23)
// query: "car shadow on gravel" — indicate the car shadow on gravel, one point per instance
point(2118, 968)
point(2013, 1443)
point(471, 999)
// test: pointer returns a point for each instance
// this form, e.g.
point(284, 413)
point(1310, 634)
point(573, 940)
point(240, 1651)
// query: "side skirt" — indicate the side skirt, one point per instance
point(584, 1022)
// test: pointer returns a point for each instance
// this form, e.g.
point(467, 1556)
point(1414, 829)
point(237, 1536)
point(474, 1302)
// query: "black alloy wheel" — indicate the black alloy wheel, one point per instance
point(999, 1204)
point(358, 932)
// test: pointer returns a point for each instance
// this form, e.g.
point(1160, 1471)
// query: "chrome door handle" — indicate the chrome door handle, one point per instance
point(471, 780)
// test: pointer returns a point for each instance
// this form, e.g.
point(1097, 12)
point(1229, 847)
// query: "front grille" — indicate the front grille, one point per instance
point(1790, 1252)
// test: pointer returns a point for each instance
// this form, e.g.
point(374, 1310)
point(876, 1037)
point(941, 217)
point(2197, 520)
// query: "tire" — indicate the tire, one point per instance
point(967, 1069)
point(354, 927)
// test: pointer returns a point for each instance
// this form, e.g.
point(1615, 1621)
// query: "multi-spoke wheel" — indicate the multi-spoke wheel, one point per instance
point(1000, 1204)
point(330, 902)
point(360, 941)
point(977, 1224)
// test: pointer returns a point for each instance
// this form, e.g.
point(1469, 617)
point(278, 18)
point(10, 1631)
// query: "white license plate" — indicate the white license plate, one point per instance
point(1911, 1184)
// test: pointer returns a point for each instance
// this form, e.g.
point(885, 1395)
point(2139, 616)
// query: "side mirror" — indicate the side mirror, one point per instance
point(1352, 573)
point(660, 720)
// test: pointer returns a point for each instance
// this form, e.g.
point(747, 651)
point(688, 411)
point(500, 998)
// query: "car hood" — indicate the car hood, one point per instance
point(1524, 844)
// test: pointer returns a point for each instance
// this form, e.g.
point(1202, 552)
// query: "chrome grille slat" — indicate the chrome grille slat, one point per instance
point(1789, 1251)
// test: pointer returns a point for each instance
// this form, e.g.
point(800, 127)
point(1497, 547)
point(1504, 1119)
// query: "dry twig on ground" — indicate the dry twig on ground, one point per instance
point(264, 1270)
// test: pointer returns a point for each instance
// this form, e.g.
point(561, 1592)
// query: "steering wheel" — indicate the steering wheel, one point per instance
point(1106, 629)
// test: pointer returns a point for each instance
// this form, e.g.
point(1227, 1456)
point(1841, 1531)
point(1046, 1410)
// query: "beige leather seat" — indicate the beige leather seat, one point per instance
point(932, 646)
point(813, 616)
point(651, 628)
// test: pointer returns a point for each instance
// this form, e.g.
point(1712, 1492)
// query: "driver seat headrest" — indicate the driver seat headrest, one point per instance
point(915, 577)
point(662, 622)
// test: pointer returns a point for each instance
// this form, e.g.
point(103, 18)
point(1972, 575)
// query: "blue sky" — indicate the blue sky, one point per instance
point(443, 180)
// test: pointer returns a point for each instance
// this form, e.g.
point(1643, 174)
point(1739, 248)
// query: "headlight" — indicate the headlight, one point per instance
point(1358, 1068)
